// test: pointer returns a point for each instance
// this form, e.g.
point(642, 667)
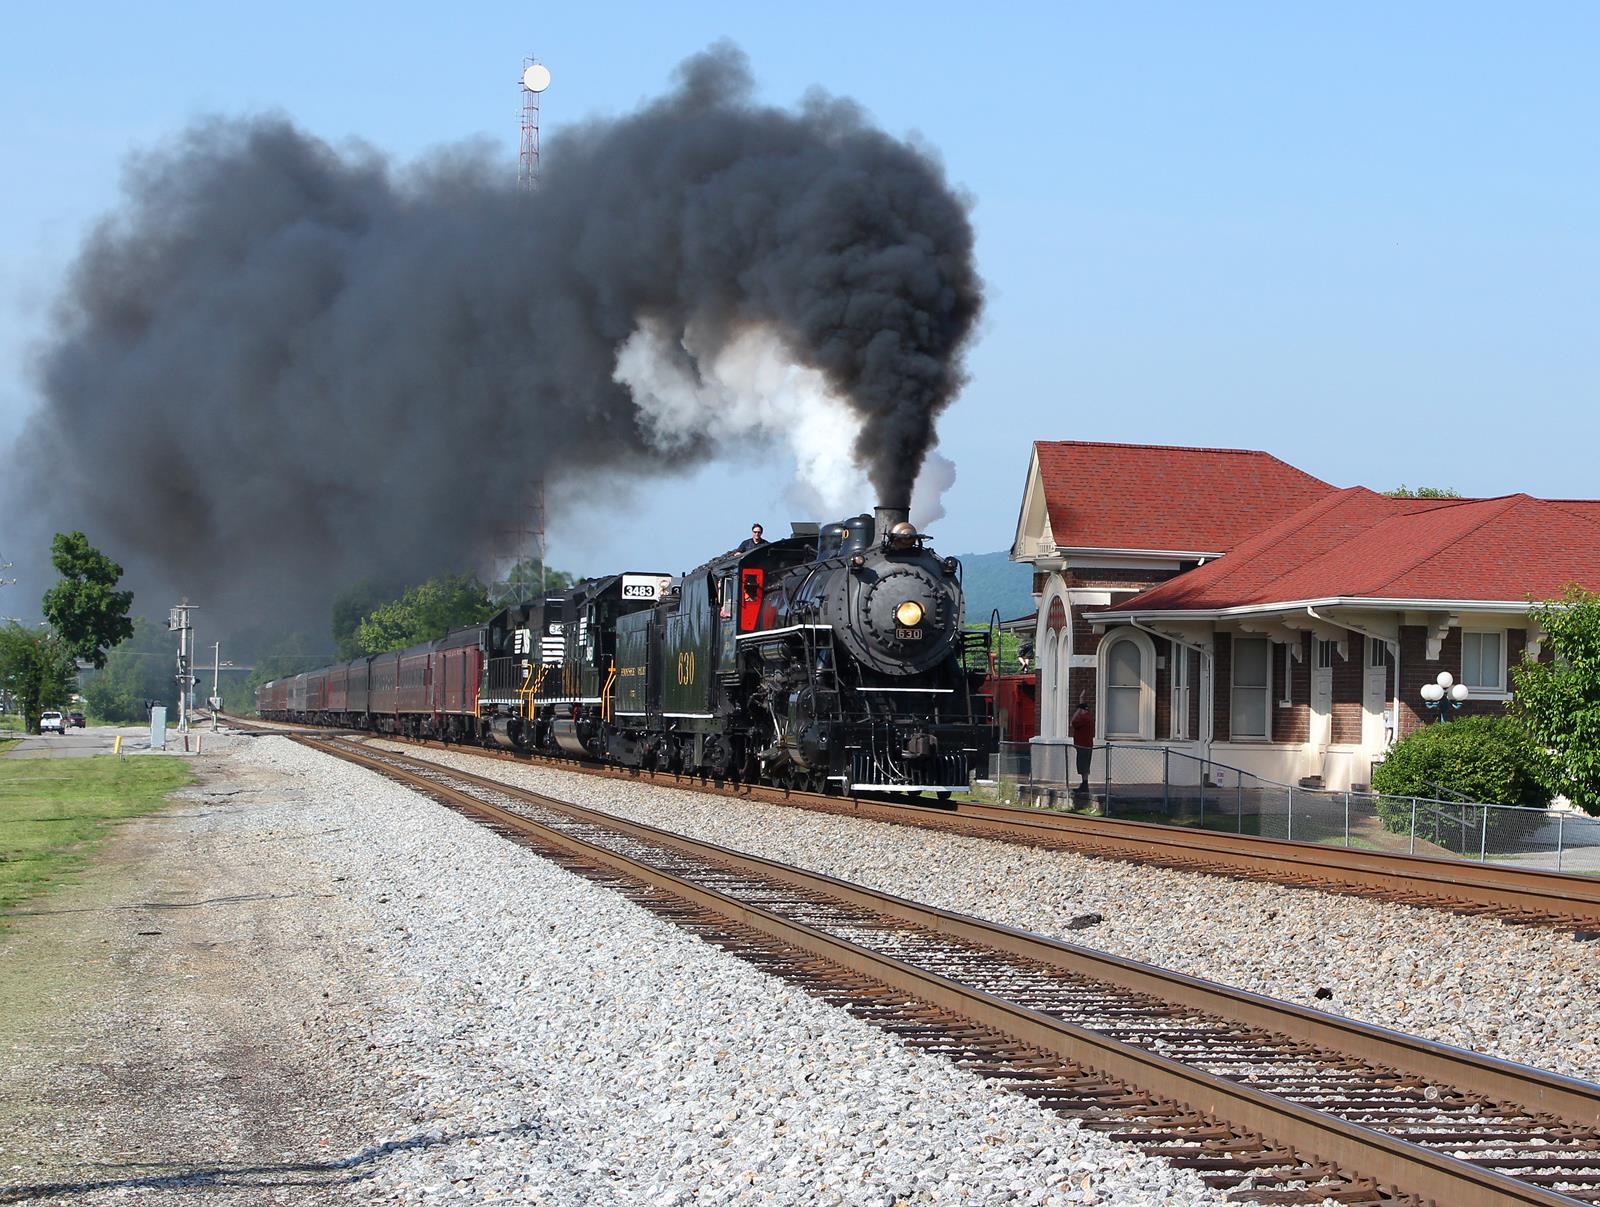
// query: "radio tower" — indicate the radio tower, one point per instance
point(535, 79)
point(518, 548)
point(525, 543)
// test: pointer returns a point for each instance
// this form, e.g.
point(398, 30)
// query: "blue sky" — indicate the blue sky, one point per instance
point(1362, 237)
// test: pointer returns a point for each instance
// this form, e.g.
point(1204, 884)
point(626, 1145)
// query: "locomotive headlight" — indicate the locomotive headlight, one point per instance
point(909, 614)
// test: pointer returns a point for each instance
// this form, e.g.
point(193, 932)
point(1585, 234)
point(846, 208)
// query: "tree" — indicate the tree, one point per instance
point(88, 615)
point(1559, 701)
point(350, 607)
point(528, 579)
point(38, 667)
point(424, 612)
point(1423, 492)
point(282, 657)
point(138, 670)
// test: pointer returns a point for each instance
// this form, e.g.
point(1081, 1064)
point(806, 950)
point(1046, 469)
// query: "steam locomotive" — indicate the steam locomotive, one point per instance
point(832, 659)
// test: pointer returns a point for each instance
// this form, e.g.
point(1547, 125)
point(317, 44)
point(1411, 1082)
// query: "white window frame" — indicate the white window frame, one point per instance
point(1484, 690)
point(1286, 696)
point(1377, 654)
point(1147, 682)
point(1265, 688)
point(1064, 703)
point(1180, 693)
point(1324, 652)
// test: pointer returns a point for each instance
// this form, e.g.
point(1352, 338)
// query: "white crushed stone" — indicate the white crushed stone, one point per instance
point(1521, 993)
point(562, 1046)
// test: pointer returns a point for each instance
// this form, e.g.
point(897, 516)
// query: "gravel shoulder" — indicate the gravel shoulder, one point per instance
point(174, 1023)
point(355, 995)
point(1519, 993)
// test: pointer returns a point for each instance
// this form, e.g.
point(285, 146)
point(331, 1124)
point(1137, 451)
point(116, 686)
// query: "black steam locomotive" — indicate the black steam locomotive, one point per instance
point(834, 658)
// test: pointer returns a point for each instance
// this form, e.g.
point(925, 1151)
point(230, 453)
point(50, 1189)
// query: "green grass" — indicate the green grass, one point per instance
point(54, 812)
point(10, 720)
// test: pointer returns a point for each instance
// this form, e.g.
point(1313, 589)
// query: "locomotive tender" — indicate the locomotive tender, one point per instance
point(833, 659)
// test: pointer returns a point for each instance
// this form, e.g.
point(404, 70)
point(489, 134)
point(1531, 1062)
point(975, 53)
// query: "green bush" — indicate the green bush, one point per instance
point(1491, 760)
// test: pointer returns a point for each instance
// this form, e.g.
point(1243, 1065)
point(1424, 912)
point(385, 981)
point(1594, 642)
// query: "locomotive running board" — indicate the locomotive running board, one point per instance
point(909, 787)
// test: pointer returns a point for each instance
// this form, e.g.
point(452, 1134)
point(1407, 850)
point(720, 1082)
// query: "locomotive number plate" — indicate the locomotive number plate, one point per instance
point(908, 634)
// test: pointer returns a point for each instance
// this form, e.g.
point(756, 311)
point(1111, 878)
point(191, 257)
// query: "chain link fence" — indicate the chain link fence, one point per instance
point(1169, 787)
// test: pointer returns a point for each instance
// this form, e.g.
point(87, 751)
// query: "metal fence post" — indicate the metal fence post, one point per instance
point(1560, 822)
point(1166, 780)
point(1203, 776)
point(1108, 780)
point(1347, 818)
point(1291, 813)
point(1241, 804)
point(1413, 850)
point(1483, 838)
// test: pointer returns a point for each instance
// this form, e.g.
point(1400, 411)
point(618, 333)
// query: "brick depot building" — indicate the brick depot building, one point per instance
point(1227, 605)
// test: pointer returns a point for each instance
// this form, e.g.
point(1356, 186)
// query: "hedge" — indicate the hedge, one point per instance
point(1490, 760)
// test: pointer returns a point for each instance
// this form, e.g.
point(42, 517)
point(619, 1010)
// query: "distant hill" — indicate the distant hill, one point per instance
point(994, 581)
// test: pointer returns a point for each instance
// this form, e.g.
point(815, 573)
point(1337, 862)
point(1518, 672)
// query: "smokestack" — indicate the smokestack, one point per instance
point(884, 518)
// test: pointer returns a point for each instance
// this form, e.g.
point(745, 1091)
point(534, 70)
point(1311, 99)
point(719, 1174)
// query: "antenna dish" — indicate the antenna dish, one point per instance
point(536, 78)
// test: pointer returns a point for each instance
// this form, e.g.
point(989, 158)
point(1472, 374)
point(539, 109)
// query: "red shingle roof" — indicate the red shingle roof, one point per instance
point(1159, 497)
point(1358, 544)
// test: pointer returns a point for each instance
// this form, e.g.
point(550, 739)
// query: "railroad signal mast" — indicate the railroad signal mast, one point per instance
point(178, 621)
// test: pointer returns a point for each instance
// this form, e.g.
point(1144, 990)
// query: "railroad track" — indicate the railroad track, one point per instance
point(1523, 896)
point(1276, 1102)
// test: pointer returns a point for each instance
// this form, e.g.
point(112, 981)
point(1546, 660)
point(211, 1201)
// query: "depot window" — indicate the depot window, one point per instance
point(1483, 661)
point(1252, 685)
point(1128, 662)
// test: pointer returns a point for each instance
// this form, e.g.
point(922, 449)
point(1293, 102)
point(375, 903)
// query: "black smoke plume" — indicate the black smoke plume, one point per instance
point(282, 366)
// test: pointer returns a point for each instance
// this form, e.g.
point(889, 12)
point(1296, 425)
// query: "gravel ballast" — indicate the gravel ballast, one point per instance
point(1521, 993)
point(558, 1045)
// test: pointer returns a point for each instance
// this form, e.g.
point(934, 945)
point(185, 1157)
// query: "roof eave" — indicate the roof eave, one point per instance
point(1508, 606)
point(1109, 551)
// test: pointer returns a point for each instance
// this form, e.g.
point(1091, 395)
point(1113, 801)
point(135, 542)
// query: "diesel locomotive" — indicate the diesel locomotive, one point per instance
point(832, 659)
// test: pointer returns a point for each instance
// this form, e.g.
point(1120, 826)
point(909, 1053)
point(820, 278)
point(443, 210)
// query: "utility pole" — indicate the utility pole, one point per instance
point(178, 619)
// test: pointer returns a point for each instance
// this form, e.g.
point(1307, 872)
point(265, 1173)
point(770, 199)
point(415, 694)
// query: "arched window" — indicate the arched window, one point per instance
point(1063, 682)
point(1045, 647)
point(1127, 692)
point(1051, 646)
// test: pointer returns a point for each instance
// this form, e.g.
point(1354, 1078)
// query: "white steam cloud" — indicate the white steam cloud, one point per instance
point(752, 389)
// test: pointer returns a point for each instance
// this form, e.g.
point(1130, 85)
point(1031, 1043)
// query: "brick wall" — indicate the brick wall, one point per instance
point(1222, 673)
point(1194, 693)
point(1416, 670)
point(1292, 724)
point(1090, 577)
point(1165, 651)
point(1348, 677)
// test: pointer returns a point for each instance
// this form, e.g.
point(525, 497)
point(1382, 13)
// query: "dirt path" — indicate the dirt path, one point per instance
point(171, 1027)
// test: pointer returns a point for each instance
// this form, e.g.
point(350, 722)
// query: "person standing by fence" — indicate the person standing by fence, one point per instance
point(1082, 729)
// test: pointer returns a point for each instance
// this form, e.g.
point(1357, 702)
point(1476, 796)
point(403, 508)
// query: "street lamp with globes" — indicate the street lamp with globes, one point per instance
point(1444, 695)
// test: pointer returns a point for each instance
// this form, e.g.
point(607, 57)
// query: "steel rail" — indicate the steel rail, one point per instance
point(1524, 895)
point(1530, 890)
point(1389, 1159)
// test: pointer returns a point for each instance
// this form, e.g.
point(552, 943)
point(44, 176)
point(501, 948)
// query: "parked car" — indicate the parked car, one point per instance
point(78, 719)
point(52, 722)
